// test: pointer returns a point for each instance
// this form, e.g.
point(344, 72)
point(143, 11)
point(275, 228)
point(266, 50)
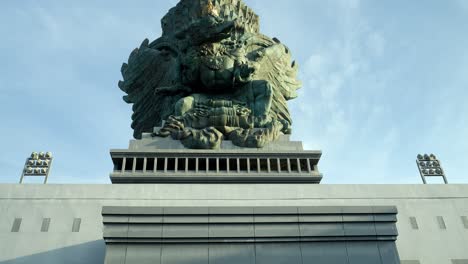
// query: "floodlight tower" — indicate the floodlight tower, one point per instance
point(38, 164)
point(429, 165)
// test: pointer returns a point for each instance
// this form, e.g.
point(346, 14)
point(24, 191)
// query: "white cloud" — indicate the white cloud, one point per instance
point(71, 57)
point(336, 101)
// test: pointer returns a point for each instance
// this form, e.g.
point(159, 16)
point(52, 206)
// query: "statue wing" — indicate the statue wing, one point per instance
point(151, 81)
point(273, 64)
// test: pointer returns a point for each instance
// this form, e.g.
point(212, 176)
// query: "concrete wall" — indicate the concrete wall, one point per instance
point(431, 206)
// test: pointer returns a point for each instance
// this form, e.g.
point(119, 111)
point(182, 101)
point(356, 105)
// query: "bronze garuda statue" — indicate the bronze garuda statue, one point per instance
point(211, 76)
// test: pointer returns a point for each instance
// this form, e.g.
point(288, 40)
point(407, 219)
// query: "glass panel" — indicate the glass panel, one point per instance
point(253, 165)
point(202, 164)
point(117, 164)
point(171, 164)
point(264, 165)
point(129, 164)
point(303, 164)
point(294, 165)
point(212, 164)
point(139, 164)
point(284, 165)
point(149, 164)
point(191, 164)
point(223, 164)
point(160, 164)
point(243, 164)
point(181, 164)
point(233, 165)
point(274, 165)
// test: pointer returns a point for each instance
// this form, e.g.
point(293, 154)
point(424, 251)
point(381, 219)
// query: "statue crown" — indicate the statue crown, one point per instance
point(187, 11)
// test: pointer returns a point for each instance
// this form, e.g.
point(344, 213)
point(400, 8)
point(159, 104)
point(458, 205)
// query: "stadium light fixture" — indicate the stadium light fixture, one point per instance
point(37, 164)
point(429, 166)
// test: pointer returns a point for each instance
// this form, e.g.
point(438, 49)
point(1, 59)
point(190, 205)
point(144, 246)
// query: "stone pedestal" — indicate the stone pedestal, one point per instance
point(238, 234)
point(163, 160)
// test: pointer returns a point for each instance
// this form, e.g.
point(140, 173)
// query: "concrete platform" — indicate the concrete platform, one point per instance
point(432, 219)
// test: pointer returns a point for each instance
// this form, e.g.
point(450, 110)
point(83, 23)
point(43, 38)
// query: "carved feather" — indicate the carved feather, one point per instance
point(274, 66)
point(147, 70)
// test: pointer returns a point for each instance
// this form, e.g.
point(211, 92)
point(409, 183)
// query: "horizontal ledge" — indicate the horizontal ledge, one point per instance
point(212, 174)
point(246, 211)
point(240, 223)
point(214, 153)
point(159, 218)
point(118, 178)
point(109, 240)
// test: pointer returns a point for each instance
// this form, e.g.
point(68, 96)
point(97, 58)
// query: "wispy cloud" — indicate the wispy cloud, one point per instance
point(380, 82)
point(59, 90)
point(338, 100)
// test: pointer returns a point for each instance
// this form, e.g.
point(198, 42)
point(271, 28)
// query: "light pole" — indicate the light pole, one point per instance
point(429, 166)
point(38, 164)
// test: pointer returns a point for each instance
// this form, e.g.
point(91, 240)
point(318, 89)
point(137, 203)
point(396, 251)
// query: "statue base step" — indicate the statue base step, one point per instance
point(164, 160)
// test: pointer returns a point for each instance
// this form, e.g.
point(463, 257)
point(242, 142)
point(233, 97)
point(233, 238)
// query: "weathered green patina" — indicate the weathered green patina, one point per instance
point(211, 76)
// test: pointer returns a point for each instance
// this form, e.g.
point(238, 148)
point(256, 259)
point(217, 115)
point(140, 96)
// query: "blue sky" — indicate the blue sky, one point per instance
point(382, 82)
